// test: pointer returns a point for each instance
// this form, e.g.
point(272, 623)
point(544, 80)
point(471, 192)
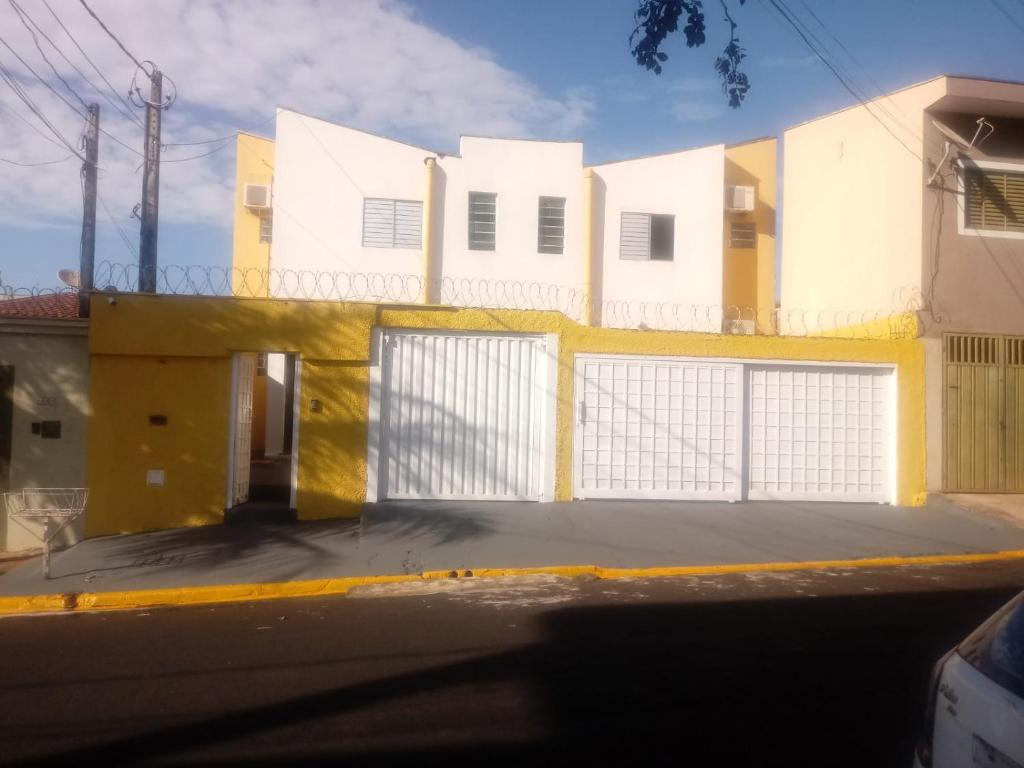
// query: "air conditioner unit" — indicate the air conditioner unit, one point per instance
point(256, 196)
point(739, 198)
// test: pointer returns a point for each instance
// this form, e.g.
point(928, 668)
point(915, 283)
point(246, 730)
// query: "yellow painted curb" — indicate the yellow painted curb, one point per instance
point(232, 593)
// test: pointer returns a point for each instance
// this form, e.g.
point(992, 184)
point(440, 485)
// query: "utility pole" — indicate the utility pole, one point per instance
point(88, 255)
point(151, 186)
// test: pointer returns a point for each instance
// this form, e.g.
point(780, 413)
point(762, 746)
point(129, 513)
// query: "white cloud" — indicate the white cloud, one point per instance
point(369, 63)
point(697, 111)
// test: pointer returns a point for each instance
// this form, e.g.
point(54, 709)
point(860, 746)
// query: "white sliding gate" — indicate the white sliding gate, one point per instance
point(673, 428)
point(462, 416)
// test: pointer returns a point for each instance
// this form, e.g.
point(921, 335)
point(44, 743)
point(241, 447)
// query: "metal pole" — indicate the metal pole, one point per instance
point(151, 186)
point(88, 255)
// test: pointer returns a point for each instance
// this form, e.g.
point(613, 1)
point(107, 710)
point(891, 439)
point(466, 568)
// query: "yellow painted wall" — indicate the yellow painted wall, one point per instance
point(748, 274)
point(254, 164)
point(171, 355)
point(194, 393)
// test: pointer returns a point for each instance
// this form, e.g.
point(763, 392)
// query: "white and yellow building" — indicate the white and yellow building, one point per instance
point(689, 230)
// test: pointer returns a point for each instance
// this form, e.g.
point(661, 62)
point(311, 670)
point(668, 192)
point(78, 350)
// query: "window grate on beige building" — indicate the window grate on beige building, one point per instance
point(995, 199)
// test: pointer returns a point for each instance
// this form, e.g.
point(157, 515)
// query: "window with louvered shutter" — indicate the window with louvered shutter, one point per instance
point(483, 219)
point(647, 237)
point(392, 223)
point(551, 225)
point(742, 234)
point(994, 200)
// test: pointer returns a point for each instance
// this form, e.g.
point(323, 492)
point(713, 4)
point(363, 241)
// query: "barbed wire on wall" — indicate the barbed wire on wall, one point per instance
point(899, 321)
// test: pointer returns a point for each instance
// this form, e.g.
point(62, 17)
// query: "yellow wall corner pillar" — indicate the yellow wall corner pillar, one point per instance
point(431, 282)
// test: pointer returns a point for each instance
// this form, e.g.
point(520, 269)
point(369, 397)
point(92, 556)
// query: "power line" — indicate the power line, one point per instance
point(796, 27)
point(117, 107)
point(58, 94)
point(1013, 19)
point(196, 157)
point(33, 165)
point(24, 19)
point(879, 104)
point(849, 53)
point(120, 230)
point(328, 153)
point(30, 125)
point(13, 84)
point(112, 35)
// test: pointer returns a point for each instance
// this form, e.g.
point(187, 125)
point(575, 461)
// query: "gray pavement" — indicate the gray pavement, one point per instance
point(410, 537)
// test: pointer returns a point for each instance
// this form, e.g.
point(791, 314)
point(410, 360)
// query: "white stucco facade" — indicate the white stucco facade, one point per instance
point(324, 172)
point(519, 173)
point(690, 187)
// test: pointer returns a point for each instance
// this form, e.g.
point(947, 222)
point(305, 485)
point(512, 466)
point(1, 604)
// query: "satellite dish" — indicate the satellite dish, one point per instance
point(952, 135)
point(70, 277)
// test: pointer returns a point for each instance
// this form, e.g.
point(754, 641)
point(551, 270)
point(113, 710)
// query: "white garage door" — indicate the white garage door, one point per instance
point(462, 416)
point(819, 433)
point(657, 429)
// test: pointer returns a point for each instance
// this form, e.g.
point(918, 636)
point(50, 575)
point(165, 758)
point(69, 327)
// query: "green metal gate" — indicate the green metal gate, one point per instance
point(984, 413)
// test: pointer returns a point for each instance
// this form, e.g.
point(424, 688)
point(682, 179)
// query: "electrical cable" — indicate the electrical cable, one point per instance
point(24, 19)
point(120, 231)
point(112, 35)
point(13, 84)
point(842, 81)
point(196, 157)
point(30, 125)
point(33, 165)
point(117, 107)
point(1013, 20)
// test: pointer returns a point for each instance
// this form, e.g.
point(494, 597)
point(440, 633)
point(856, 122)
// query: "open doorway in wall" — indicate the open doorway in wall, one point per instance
point(262, 457)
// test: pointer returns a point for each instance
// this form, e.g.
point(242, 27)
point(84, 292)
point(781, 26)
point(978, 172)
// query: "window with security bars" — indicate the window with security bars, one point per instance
point(551, 225)
point(266, 225)
point(647, 237)
point(742, 234)
point(483, 218)
point(392, 223)
point(994, 200)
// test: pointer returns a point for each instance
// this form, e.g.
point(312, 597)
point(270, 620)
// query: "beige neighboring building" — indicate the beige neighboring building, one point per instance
point(916, 201)
point(44, 403)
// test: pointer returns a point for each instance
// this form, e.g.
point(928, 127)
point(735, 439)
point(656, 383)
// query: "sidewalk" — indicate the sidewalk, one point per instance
point(409, 538)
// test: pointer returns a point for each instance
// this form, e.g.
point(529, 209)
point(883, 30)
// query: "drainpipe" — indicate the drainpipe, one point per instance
point(588, 247)
point(429, 278)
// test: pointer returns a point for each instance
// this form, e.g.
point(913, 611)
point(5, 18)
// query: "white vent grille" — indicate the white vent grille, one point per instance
point(635, 237)
point(392, 223)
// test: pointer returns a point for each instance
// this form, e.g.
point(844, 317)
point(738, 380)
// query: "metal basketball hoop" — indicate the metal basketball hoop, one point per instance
point(45, 512)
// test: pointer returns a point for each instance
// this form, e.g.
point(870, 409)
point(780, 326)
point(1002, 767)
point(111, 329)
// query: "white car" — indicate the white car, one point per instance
point(975, 714)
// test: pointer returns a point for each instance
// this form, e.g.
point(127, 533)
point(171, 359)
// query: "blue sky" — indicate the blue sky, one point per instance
point(425, 72)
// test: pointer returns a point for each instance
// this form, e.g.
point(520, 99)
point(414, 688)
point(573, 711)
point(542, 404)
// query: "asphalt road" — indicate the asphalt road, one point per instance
point(804, 669)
